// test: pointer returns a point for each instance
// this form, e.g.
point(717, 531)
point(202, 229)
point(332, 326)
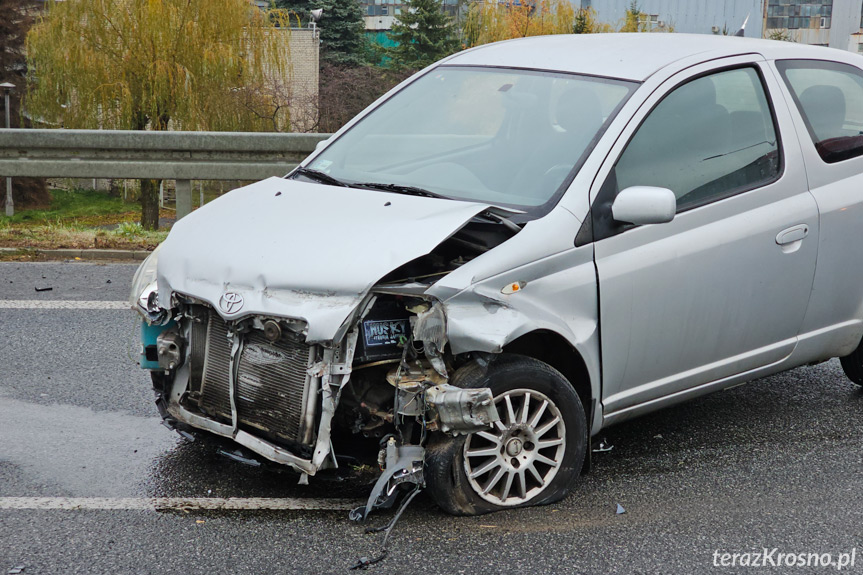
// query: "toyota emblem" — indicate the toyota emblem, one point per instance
point(231, 302)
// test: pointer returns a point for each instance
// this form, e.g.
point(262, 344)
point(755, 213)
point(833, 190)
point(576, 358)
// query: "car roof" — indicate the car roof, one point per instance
point(627, 56)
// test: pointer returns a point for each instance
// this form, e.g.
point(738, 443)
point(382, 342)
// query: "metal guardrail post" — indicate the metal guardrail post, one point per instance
point(183, 190)
point(10, 204)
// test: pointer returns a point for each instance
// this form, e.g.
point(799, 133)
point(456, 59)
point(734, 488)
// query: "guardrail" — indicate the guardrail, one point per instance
point(134, 155)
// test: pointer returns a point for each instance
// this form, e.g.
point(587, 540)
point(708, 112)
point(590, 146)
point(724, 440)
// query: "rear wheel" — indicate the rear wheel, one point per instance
point(852, 365)
point(532, 456)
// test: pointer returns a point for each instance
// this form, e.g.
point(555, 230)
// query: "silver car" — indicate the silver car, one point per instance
point(515, 248)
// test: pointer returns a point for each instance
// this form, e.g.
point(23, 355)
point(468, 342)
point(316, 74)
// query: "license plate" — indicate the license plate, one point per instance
point(385, 332)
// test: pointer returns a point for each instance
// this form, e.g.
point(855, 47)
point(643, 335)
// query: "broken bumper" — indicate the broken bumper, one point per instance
point(277, 396)
point(268, 391)
point(261, 447)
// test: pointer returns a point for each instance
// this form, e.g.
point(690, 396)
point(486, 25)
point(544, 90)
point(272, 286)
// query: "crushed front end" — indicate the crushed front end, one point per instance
point(266, 322)
point(253, 380)
point(374, 392)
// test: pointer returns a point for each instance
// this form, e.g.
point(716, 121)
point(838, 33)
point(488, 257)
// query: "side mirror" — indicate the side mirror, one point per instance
point(642, 205)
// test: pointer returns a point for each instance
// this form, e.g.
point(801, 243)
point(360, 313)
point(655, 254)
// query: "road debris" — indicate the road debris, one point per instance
point(364, 562)
point(44, 289)
point(238, 456)
point(603, 446)
point(620, 509)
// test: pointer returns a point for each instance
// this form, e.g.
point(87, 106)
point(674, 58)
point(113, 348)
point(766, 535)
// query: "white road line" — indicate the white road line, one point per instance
point(61, 304)
point(176, 503)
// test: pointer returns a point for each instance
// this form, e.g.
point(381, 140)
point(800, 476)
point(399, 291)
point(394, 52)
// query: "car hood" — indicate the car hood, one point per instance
point(301, 250)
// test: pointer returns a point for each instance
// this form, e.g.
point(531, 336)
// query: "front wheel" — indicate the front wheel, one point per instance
point(532, 456)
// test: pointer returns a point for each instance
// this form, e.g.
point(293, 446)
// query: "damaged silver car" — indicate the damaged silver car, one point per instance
point(515, 248)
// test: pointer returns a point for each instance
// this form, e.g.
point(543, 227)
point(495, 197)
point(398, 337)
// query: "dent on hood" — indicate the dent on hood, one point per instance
point(302, 250)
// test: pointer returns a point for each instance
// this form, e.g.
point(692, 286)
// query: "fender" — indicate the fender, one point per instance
point(484, 318)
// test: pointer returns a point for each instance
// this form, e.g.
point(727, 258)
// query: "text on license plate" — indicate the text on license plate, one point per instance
point(385, 332)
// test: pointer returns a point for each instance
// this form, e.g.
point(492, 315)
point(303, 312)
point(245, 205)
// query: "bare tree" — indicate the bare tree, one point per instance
point(346, 90)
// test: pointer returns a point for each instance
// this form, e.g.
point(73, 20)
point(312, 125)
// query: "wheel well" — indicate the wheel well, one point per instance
point(554, 350)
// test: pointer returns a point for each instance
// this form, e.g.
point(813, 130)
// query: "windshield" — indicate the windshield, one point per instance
point(500, 136)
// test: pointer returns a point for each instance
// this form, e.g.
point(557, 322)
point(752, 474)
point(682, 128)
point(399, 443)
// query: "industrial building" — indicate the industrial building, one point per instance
point(834, 23)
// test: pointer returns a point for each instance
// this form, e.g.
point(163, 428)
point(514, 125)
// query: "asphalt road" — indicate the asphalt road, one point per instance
point(776, 463)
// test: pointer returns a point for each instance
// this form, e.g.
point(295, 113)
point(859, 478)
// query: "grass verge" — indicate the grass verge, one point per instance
point(80, 219)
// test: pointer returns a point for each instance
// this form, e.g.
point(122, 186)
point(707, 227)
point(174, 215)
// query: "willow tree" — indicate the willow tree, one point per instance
point(504, 20)
point(158, 65)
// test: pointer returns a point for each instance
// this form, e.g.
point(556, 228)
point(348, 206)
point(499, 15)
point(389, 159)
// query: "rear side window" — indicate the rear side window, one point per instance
point(829, 96)
point(709, 139)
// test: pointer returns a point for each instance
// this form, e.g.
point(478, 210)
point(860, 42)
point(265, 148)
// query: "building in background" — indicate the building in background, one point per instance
point(821, 23)
point(379, 15)
point(834, 23)
point(691, 16)
point(300, 91)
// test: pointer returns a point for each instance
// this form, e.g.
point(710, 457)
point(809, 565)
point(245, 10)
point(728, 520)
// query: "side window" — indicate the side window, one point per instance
point(709, 139)
point(829, 96)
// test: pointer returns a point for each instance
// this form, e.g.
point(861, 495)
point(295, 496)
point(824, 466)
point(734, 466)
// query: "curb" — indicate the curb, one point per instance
point(85, 254)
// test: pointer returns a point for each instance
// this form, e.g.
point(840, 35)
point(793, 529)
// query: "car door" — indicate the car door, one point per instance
point(826, 101)
point(722, 289)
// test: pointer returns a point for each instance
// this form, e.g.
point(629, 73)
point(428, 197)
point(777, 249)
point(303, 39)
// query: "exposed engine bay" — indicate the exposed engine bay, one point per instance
point(384, 384)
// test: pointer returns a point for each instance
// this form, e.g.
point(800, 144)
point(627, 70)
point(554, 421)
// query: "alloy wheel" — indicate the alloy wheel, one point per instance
point(516, 460)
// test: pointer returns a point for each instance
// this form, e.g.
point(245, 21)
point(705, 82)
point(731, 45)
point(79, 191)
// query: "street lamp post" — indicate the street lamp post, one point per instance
point(10, 206)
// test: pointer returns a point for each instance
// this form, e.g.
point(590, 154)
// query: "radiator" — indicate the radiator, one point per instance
point(271, 381)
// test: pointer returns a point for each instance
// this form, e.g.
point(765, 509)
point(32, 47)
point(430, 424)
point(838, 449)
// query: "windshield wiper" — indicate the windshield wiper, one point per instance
point(319, 176)
point(400, 189)
point(512, 226)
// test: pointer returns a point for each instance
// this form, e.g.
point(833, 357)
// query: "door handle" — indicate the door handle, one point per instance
point(792, 234)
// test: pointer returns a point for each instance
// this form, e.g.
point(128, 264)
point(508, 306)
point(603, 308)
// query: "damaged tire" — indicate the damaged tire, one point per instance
point(532, 456)
point(852, 365)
